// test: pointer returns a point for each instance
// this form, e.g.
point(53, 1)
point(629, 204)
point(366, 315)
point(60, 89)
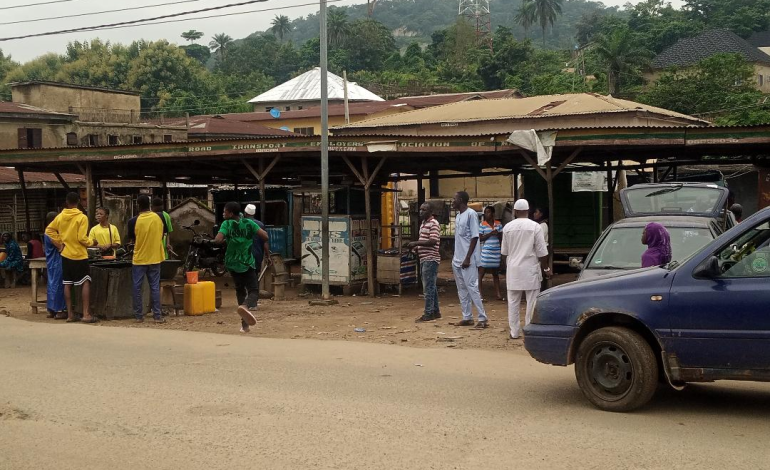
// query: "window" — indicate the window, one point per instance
point(304, 130)
point(137, 139)
point(287, 108)
point(72, 138)
point(30, 138)
point(268, 109)
point(93, 140)
point(748, 255)
point(113, 140)
point(761, 80)
point(300, 107)
point(168, 138)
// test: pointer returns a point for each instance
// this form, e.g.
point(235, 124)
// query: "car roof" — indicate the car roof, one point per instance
point(666, 221)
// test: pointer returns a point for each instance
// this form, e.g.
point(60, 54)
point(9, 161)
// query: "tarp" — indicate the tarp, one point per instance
point(539, 142)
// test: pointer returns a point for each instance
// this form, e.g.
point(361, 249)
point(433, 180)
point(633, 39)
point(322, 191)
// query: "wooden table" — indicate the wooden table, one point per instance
point(35, 266)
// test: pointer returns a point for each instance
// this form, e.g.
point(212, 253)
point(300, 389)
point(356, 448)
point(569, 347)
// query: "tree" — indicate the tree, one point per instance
point(721, 87)
point(338, 26)
point(546, 12)
point(219, 44)
point(281, 26)
point(622, 56)
point(192, 35)
point(6, 65)
point(197, 52)
point(373, 45)
point(526, 16)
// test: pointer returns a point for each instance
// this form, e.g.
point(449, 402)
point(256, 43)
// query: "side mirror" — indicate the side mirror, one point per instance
point(709, 269)
point(197, 222)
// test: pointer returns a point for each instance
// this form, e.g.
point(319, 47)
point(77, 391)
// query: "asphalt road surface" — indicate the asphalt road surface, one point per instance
point(89, 397)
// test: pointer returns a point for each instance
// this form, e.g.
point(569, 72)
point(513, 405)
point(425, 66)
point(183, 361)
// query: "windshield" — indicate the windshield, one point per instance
point(674, 199)
point(622, 248)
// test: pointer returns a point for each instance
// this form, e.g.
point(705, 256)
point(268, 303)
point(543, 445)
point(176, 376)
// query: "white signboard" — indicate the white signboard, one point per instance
point(590, 181)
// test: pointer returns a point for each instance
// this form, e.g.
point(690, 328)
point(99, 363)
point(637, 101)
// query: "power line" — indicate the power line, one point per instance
point(98, 12)
point(97, 28)
point(132, 22)
point(26, 5)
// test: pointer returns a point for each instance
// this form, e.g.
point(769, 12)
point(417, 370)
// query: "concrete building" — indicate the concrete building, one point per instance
point(52, 115)
point(688, 52)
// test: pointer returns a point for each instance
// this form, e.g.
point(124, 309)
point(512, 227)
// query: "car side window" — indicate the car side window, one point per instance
point(748, 256)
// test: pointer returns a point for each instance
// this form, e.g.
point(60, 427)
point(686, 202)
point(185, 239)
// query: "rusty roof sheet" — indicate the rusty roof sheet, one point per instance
point(11, 176)
point(218, 125)
point(8, 107)
point(512, 108)
point(73, 85)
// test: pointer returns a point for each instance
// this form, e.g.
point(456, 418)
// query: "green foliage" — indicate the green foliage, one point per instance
point(721, 86)
point(6, 66)
point(281, 26)
point(742, 16)
point(623, 57)
point(197, 52)
point(220, 43)
point(192, 35)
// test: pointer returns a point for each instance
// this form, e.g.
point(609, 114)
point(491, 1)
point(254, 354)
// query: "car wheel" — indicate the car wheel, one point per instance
point(616, 369)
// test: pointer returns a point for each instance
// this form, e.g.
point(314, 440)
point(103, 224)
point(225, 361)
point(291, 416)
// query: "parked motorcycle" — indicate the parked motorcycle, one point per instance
point(204, 255)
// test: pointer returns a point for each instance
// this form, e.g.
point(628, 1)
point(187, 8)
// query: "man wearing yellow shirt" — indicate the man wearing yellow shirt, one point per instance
point(146, 231)
point(69, 233)
point(105, 234)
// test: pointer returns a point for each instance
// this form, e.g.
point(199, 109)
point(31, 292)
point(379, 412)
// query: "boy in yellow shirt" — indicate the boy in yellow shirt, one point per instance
point(146, 231)
point(69, 232)
point(105, 234)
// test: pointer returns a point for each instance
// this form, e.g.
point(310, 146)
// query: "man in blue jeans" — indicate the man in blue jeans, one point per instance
point(428, 249)
point(146, 231)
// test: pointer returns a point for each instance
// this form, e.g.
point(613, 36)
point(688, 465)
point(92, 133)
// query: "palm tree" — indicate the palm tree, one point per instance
point(192, 35)
point(546, 12)
point(219, 44)
point(338, 26)
point(526, 16)
point(621, 54)
point(281, 26)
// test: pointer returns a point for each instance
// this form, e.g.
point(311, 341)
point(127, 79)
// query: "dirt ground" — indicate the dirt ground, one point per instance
point(387, 319)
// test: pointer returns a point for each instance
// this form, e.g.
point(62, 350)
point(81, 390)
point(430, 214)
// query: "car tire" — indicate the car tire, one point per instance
point(616, 369)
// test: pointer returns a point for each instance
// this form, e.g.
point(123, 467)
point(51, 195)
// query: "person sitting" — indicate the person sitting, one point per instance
point(35, 247)
point(13, 264)
point(658, 242)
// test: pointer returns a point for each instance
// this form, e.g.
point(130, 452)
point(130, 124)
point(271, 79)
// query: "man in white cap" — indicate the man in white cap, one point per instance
point(526, 258)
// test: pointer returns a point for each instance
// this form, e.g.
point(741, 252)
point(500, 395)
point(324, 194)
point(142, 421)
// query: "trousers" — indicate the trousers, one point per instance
point(467, 281)
point(514, 307)
point(429, 271)
point(152, 272)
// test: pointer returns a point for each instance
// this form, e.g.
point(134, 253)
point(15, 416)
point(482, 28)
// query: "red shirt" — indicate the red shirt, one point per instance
point(35, 249)
point(430, 230)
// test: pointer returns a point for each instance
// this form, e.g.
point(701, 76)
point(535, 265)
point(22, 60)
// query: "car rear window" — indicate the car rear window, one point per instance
point(622, 248)
point(672, 200)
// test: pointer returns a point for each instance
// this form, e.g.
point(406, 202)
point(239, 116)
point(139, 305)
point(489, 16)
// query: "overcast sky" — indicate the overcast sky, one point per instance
point(236, 26)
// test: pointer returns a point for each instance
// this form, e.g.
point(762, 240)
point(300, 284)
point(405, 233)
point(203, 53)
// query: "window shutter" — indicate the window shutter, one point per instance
point(37, 138)
point(22, 132)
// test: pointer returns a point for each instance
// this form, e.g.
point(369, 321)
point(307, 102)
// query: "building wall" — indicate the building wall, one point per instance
point(55, 133)
point(60, 99)
point(484, 187)
point(762, 84)
point(290, 105)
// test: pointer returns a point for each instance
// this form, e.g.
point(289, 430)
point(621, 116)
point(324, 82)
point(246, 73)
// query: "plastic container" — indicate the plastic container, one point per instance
point(191, 277)
point(199, 298)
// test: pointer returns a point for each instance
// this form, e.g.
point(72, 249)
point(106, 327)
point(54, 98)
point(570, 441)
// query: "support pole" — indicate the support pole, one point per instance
point(369, 235)
point(345, 91)
point(420, 192)
point(62, 182)
point(515, 191)
point(611, 195)
point(164, 189)
point(26, 201)
point(90, 194)
point(551, 218)
point(325, 293)
point(262, 203)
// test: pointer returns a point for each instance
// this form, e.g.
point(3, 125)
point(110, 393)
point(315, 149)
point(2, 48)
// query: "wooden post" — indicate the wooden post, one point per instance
point(611, 196)
point(515, 191)
point(551, 218)
point(262, 203)
point(90, 194)
point(26, 201)
point(369, 235)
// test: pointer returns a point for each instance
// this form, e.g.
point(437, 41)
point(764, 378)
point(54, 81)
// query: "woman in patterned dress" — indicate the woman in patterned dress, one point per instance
point(490, 234)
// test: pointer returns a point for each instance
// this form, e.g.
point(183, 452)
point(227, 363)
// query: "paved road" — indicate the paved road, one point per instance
point(89, 397)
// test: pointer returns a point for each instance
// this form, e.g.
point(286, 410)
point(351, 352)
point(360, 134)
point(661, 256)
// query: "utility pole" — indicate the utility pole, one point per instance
point(325, 293)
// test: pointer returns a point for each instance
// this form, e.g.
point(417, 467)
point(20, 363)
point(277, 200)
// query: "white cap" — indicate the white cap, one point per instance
point(521, 205)
point(251, 209)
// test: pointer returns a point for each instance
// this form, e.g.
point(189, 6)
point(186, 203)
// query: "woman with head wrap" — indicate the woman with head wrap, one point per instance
point(13, 264)
point(55, 287)
point(658, 242)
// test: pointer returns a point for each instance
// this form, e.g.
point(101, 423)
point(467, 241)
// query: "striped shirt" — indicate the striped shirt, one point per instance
point(490, 249)
point(430, 230)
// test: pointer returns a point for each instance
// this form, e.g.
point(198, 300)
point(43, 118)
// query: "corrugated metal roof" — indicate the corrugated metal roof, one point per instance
point(72, 85)
point(7, 107)
point(217, 125)
point(11, 176)
point(307, 87)
point(523, 108)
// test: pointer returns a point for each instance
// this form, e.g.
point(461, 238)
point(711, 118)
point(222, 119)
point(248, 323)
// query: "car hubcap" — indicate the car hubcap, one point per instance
point(610, 370)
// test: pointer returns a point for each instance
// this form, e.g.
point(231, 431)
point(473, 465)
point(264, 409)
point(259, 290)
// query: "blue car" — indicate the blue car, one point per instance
point(704, 318)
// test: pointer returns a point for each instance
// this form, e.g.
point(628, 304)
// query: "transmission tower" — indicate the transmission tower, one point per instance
point(477, 12)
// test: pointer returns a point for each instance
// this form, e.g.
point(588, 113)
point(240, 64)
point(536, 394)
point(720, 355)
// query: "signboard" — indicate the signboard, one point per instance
point(590, 181)
point(347, 249)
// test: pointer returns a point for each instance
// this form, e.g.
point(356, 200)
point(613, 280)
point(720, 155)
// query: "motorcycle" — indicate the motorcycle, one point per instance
point(204, 255)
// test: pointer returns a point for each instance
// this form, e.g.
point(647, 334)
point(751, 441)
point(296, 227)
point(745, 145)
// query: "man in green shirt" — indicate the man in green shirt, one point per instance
point(157, 206)
point(239, 232)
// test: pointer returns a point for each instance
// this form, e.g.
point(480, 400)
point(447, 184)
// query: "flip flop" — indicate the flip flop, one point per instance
point(73, 320)
point(91, 320)
point(60, 317)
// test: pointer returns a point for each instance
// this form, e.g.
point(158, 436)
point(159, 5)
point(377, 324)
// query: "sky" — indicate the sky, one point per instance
point(238, 26)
